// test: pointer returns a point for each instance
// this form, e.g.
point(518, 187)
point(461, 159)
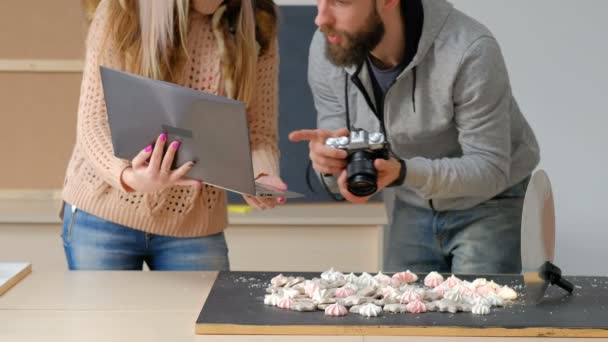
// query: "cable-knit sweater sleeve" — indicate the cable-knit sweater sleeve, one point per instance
point(263, 115)
point(93, 137)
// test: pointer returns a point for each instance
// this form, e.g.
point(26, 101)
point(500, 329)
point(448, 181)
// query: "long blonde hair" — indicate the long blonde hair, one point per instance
point(150, 36)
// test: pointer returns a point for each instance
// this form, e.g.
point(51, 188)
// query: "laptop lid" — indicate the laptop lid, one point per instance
point(213, 129)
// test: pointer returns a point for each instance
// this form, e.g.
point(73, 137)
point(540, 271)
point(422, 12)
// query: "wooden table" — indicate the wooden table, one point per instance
point(132, 306)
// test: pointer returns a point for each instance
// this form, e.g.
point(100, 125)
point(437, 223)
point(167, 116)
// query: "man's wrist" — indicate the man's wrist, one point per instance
point(402, 172)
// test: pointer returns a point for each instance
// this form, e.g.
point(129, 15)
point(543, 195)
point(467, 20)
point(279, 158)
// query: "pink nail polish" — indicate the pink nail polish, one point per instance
point(176, 144)
point(163, 137)
point(148, 148)
point(282, 200)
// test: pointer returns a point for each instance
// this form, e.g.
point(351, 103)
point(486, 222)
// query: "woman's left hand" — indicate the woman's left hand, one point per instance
point(263, 203)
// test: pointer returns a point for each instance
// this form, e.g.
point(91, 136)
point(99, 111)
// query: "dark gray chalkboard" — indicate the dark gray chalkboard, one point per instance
point(296, 108)
point(235, 306)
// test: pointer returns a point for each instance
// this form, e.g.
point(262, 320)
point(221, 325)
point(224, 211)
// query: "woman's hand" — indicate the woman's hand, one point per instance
point(262, 203)
point(156, 174)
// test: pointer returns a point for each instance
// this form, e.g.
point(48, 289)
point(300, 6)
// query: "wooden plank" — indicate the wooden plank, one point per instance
point(218, 329)
point(11, 274)
point(235, 306)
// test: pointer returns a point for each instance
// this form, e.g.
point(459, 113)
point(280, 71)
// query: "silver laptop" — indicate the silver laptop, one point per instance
point(212, 129)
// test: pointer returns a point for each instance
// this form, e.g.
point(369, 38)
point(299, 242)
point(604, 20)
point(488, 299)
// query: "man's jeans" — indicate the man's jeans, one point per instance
point(92, 243)
point(485, 239)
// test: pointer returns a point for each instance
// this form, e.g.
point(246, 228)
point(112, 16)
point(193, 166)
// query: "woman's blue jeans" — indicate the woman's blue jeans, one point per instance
point(92, 243)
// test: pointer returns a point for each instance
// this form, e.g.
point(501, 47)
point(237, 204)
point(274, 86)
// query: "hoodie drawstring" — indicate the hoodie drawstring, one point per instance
point(414, 90)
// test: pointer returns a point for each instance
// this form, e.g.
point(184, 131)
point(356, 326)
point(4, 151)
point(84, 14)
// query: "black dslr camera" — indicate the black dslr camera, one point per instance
point(363, 148)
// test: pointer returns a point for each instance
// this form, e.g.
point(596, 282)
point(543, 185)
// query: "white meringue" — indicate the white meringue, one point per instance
point(480, 309)
point(480, 282)
point(370, 310)
point(507, 293)
point(272, 299)
point(454, 295)
point(332, 275)
point(395, 308)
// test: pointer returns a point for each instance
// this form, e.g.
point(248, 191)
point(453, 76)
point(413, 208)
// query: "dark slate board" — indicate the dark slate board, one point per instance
point(236, 300)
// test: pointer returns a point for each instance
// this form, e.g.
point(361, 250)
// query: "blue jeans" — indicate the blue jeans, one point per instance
point(92, 243)
point(485, 239)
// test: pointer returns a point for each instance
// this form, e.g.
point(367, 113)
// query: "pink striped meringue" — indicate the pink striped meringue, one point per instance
point(452, 281)
point(406, 277)
point(279, 280)
point(416, 306)
point(409, 296)
point(336, 310)
point(344, 292)
point(285, 303)
point(433, 279)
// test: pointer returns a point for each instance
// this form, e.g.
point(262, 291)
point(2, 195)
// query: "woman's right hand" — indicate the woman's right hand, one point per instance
point(156, 174)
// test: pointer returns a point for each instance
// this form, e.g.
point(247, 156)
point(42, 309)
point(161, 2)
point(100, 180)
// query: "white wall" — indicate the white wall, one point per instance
point(557, 54)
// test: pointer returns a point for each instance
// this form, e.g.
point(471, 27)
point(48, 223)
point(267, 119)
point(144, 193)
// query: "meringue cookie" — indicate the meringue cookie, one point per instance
point(279, 280)
point(336, 310)
point(507, 293)
point(285, 303)
point(332, 275)
point(485, 290)
point(480, 309)
point(480, 282)
point(310, 287)
point(454, 295)
point(452, 281)
point(395, 308)
point(416, 306)
point(409, 296)
point(304, 306)
point(494, 299)
point(367, 310)
point(382, 278)
point(433, 279)
point(369, 291)
point(289, 292)
point(293, 281)
point(406, 277)
point(366, 280)
point(351, 278)
point(344, 292)
point(272, 299)
point(355, 300)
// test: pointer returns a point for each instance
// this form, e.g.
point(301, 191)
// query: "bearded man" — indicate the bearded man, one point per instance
point(434, 82)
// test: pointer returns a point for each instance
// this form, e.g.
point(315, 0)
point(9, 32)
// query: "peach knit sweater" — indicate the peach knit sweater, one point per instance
point(92, 181)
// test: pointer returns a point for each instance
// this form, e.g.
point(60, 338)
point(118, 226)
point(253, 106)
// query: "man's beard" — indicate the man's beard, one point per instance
point(358, 44)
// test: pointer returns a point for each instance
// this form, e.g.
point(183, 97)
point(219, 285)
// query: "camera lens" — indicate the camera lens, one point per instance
point(362, 175)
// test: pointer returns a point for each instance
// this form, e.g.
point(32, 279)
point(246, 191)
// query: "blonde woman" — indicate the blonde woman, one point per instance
point(119, 214)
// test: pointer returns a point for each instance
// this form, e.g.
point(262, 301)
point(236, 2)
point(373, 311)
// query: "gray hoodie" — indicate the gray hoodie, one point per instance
point(450, 114)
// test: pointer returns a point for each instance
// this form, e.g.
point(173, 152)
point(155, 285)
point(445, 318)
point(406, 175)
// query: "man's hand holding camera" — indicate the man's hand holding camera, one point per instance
point(325, 159)
point(360, 160)
point(388, 172)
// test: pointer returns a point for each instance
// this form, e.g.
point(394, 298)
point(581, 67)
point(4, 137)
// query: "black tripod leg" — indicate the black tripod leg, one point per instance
point(564, 284)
